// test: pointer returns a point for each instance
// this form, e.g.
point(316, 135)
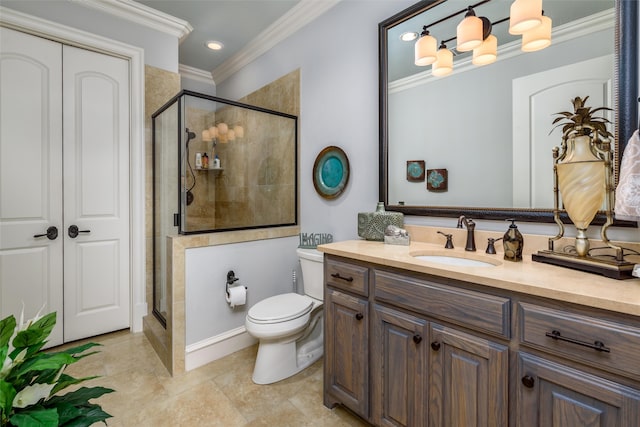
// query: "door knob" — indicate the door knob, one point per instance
point(417, 338)
point(52, 233)
point(359, 316)
point(435, 346)
point(73, 231)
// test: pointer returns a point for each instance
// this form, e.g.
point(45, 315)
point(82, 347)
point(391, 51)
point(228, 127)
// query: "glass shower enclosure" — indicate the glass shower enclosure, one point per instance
point(218, 165)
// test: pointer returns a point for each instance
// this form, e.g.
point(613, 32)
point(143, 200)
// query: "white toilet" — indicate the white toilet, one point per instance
point(289, 326)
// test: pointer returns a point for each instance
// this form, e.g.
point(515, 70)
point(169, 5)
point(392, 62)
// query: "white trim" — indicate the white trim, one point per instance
point(65, 34)
point(214, 348)
point(141, 15)
point(195, 74)
point(299, 16)
point(572, 30)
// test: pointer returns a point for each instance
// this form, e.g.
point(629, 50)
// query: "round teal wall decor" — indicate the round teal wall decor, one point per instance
point(331, 172)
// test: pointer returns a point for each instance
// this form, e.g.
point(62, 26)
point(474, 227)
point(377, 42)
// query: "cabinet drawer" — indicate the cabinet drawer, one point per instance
point(469, 308)
point(347, 276)
point(602, 343)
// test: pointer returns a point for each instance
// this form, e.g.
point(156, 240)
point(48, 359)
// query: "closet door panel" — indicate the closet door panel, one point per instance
point(30, 176)
point(96, 193)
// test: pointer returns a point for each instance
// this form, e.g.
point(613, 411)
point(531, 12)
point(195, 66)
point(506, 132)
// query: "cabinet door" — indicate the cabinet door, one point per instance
point(469, 380)
point(553, 395)
point(346, 352)
point(399, 369)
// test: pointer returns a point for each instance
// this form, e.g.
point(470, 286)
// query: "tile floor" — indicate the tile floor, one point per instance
point(218, 394)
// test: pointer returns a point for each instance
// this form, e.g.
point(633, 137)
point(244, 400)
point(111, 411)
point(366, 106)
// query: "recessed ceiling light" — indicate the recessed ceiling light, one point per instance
point(408, 36)
point(214, 45)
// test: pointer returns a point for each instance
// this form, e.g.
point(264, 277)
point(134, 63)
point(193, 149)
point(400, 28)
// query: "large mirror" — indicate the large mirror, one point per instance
point(484, 131)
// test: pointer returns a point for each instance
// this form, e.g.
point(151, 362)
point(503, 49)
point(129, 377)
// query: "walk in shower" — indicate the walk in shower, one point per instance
point(218, 165)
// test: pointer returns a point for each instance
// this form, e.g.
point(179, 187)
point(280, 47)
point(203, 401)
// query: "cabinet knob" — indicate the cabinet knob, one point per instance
point(359, 316)
point(417, 338)
point(435, 346)
point(528, 381)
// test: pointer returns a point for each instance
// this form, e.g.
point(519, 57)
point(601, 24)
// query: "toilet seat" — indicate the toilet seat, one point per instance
point(280, 308)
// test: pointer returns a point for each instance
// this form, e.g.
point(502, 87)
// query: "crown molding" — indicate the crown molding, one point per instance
point(142, 15)
point(195, 74)
point(299, 16)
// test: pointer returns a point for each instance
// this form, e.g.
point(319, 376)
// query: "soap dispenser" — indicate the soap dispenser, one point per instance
point(513, 243)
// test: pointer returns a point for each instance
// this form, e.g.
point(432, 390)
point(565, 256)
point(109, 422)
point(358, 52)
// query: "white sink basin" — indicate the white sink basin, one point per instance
point(456, 260)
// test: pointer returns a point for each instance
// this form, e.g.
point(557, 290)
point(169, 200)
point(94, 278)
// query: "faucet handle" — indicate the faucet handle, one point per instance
point(449, 244)
point(491, 249)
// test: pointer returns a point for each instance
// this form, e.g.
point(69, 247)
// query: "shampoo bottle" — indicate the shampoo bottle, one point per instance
point(216, 162)
point(513, 243)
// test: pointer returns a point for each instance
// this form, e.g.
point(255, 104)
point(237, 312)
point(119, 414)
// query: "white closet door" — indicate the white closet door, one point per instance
point(96, 193)
point(30, 176)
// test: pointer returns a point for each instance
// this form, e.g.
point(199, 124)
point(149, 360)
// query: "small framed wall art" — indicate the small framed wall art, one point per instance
point(415, 170)
point(437, 180)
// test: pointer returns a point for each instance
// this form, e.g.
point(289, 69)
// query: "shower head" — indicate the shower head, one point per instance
point(190, 136)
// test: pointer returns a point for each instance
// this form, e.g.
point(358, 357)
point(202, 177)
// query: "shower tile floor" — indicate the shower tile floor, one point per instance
point(220, 393)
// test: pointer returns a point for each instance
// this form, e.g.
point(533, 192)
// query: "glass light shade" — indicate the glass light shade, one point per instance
point(469, 33)
point(537, 38)
point(525, 15)
point(426, 50)
point(444, 63)
point(213, 132)
point(487, 52)
point(222, 128)
point(239, 130)
point(231, 135)
point(206, 136)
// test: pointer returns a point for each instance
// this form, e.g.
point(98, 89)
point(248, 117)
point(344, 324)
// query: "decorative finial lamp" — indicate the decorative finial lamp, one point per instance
point(584, 181)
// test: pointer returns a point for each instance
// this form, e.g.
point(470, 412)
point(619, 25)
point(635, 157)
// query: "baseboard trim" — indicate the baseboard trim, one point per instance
point(214, 348)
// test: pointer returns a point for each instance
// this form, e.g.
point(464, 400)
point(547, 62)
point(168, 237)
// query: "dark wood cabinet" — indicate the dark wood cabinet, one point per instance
point(410, 349)
point(555, 395)
point(346, 364)
point(469, 380)
point(399, 368)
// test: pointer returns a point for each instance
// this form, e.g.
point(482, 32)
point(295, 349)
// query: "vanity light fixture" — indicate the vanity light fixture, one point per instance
point(425, 49)
point(487, 52)
point(239, 131)
point(469, 32)
point(444, 64)
point(473, 33)
point(524, 15)
point(223, 128)
point(214, 45)
point(213, 131)
point(537, 38)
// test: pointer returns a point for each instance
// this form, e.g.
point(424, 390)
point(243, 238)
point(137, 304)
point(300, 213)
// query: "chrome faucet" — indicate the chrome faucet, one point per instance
point(471, 227)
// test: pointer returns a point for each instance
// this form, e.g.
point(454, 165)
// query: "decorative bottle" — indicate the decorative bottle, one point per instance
point(513, 243)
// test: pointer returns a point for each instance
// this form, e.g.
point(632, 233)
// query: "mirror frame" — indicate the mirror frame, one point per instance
point(625, 95)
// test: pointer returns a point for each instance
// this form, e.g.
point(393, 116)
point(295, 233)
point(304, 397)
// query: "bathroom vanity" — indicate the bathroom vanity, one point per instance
point(410, 342)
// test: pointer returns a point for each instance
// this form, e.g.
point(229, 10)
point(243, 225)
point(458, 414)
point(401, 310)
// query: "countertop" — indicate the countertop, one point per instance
point(528, 277)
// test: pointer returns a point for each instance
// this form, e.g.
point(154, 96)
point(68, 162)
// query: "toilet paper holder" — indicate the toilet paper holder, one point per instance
point(231, 279)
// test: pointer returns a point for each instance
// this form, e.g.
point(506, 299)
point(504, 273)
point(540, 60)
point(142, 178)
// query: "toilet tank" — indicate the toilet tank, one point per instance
point(311, 263)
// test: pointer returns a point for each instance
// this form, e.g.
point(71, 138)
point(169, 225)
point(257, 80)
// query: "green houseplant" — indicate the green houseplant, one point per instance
point(31, 379)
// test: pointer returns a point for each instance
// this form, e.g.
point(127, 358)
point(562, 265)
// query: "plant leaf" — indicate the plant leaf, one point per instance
point(36, 417)
point(36, 333)
point(7, 327)
point(89, 414)
point(78, 397)
point(7, 393)
point(67, 412)
point(75, 351)
point(42, 362)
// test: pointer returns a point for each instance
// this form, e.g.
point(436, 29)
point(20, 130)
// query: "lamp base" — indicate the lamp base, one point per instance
point(607, 267)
